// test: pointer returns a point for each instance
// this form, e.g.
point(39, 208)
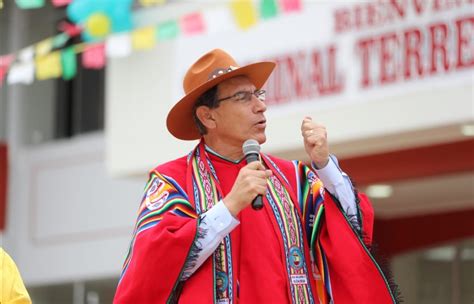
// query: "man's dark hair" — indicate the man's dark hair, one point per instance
point(208, 99)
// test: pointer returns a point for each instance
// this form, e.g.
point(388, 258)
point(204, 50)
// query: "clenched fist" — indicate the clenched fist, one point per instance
point(315, 142)
point(251, 181)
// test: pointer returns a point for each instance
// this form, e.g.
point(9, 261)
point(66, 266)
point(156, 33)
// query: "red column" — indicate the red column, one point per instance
point(3, 184)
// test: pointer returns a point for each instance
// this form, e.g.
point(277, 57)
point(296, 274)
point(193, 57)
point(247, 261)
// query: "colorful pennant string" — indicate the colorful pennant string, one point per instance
point(46, 60)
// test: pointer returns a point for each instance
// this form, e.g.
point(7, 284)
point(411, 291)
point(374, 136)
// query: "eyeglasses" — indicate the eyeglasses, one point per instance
point(246, 96)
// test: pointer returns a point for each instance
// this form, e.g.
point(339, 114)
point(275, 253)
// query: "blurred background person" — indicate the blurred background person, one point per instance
point(13, 290)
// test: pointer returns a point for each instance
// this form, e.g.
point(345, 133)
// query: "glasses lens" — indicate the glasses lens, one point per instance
point(260, 94)
point(241, 96)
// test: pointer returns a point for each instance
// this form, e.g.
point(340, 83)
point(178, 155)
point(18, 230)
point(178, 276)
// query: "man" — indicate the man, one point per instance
point(197, 240)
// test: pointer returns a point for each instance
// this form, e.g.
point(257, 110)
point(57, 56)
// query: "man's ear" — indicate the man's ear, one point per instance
point(205, 115)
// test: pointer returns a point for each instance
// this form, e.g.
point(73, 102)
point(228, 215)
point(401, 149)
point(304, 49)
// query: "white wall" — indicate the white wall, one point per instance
point(67, 219)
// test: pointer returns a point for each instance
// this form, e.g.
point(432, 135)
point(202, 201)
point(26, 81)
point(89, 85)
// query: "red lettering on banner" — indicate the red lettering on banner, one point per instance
point(420, 6)
point(365, 46)
point(304, 75)
point(440, 5)
point(415, 51)
point(317, 70)
point(412, 51)
point(399, 6)
point(334, 83)
point(388, 64)
point(371, 14)
point(465, 54)
point(383, 12)
point(439, 35)
point(358, 16)
point(341, 20)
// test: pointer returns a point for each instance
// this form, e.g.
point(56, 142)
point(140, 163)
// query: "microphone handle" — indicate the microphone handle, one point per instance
point(257, 202)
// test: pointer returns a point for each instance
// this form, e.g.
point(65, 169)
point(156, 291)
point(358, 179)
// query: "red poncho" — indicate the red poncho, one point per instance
point(300, 248)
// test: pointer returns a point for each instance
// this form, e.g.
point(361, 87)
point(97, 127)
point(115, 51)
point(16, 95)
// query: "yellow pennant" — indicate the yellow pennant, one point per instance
point(244, 13)
point(144, 38)
point(44, 47)
point(151, 2)
point(48, 66)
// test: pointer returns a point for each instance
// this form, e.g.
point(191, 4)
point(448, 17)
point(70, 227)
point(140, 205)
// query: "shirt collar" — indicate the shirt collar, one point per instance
point(208, 149)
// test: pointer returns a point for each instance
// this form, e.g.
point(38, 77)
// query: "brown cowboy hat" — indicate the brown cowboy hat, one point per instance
point(207, 72)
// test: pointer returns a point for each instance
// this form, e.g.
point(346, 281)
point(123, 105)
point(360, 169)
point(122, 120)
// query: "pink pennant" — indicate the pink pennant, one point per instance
point(192, 24)
point(290, 5)
point(93, 56)
point(3, 72)
point(5, 62)
point(61, 2)
point(70, 29)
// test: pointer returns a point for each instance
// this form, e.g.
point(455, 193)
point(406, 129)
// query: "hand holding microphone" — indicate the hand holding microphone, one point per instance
point(251, 182)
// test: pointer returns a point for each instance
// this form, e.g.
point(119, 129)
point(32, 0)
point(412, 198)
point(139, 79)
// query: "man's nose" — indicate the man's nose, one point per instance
point(259, 105)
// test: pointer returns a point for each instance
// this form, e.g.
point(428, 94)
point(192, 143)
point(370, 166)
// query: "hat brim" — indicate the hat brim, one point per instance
point(180, 122)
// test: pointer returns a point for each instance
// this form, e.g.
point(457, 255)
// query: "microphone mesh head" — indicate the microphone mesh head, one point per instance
point(251, 146)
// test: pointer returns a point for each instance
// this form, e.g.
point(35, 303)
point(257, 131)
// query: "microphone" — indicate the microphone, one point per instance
point(251, 150)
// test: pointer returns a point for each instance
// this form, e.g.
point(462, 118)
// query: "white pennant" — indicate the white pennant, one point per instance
point(118, 45)
point(218, 20)
point(21, 73)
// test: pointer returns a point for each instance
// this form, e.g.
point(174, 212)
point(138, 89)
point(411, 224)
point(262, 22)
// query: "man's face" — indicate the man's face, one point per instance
point(239, 120)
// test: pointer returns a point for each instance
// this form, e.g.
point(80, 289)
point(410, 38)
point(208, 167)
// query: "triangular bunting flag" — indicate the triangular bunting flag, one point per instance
point(21, 73)
point(44, 47)
point(48, 66)
point(93, 56)
point(268, 9)
point(5, 62)
point(61, 2)
point(118, 45)
point(218, 20)
point(167, 30)
point(144, 38)
point(68, 63)
point(244, 13)
point(151, 2)
point(192, 24)
point(27, 4)
point(291, 5)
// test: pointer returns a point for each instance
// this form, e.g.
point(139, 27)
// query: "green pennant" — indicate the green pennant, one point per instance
point(268, 9)
point(68, 62)
point(60, 40)
point(26, 4)
point(167, 30)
